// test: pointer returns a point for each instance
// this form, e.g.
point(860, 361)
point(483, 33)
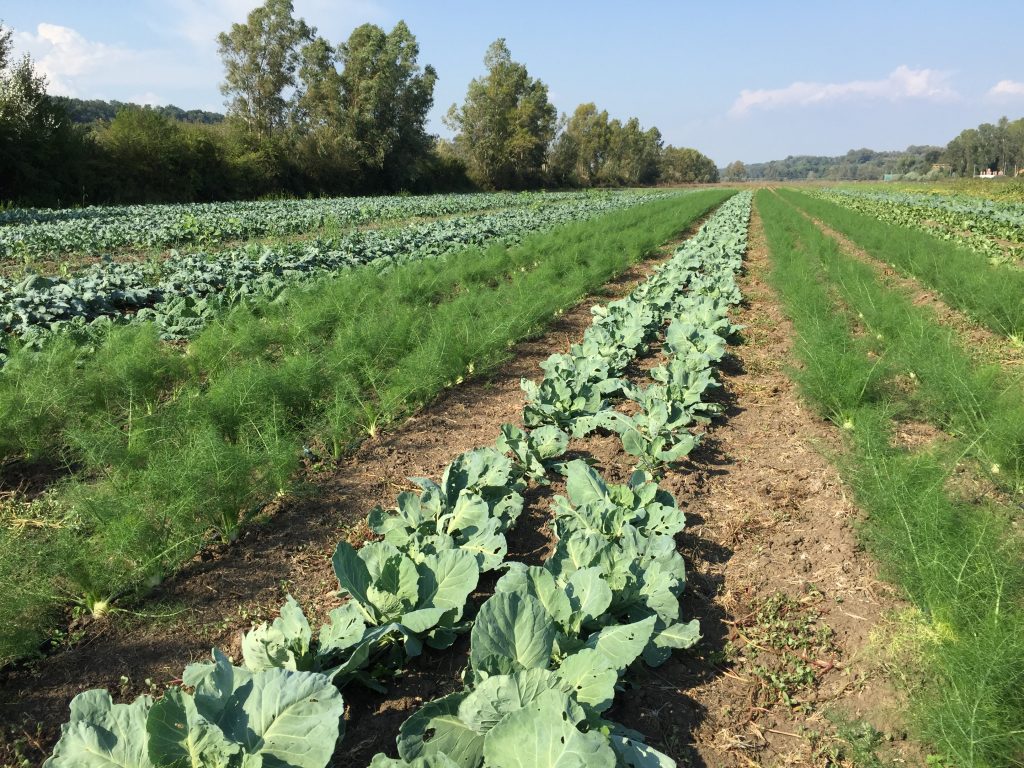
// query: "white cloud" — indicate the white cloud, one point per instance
point(89, 69)
point(200, 22)
point(65, 57)
point(901, 84)
point(1007, 89)
point(184, 67)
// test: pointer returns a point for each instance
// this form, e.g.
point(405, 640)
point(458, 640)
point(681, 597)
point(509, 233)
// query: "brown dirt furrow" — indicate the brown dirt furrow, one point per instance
point(223, 592)
point(774, 561)
point(984, 345)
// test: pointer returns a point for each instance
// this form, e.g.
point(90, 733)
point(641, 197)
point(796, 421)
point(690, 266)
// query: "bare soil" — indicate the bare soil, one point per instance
point(914, 436)
point(771, 550)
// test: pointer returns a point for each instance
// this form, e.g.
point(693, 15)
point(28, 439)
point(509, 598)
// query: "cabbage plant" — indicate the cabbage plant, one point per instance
point(532, 451)
point(420, 601)
point(478, 500)
point(523, 708)
point(233, 718)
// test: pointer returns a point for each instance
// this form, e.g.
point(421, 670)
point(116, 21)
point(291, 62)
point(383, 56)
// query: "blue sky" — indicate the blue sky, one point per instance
point(738, 80)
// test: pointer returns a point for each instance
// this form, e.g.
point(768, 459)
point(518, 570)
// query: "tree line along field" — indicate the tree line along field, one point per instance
point(318, 118)
point(551, 557)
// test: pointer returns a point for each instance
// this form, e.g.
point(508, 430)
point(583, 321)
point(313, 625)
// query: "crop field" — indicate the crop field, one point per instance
point(372, 397)
point(615, 478)
point(995, 229)
point(181, 291)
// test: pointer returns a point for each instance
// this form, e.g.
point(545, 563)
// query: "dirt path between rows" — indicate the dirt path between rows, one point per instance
point(773, 557)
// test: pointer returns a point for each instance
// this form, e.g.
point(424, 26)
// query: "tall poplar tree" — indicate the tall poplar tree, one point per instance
point(261, 57)
point(385, 97)
point(505, 125)
point(41, 152)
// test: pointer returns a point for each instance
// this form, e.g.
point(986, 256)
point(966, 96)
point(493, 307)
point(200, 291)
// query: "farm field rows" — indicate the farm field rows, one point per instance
point(182, 292)
point(923, 419)
point(373, 397)
point(548, 647)
point(995, 229)
point(991, 294)
point(639, 557)
point(102, 229)
point(139, 476)
point(1009, 191)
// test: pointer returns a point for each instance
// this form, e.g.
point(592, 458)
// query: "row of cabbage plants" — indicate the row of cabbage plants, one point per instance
point(181, 293)
point(547, 650)
point(579, 388)
point(550, 647)
point(26, 232)
point(995, 229)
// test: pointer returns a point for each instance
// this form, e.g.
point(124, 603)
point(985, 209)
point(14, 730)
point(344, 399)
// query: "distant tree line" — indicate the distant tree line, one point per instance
point(996, 147)
point(857, 164)
point(90, 110)
point(308, 117)
point(593, 150)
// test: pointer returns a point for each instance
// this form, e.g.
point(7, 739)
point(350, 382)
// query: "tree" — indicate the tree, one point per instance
point(634, 155)
point(592, 150)
point(682, 165)
point(146, 158)
point(385, 99)
point(260, 60)
point(42, 155)
point(1015, 138)
point(962, 153)
point(364, 128)
point(737, 171)
point(323, 154)
point(1003, 151)
point(505, 125)
point(579, 154)
point(6, 45)
point(999, 146)
point(318, 102)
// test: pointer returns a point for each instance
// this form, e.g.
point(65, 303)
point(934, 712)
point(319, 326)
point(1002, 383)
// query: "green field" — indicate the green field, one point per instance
point(394, 403)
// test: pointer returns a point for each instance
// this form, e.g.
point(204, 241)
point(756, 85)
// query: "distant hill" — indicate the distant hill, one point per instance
point(855, 164)
point(90, 110)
